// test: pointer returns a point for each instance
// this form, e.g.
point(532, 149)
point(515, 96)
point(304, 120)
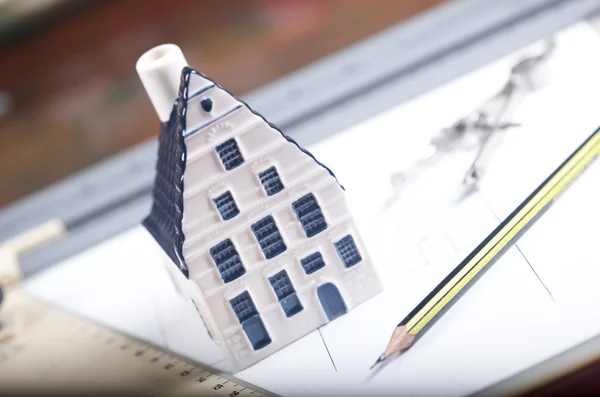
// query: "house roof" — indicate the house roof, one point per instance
point(165, 219)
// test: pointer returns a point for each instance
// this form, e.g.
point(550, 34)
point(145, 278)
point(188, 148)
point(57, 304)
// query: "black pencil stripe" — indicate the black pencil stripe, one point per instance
point(479, 274)
point(524, 257)
point(482, 245)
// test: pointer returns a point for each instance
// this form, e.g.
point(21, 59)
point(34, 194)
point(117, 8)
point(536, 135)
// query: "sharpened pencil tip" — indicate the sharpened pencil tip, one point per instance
point(380, 359)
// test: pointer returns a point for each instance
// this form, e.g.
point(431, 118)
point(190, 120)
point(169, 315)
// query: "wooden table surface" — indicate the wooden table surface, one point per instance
point(76, 98)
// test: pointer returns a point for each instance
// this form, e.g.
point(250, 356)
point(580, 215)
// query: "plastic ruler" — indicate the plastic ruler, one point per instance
point(47, 351)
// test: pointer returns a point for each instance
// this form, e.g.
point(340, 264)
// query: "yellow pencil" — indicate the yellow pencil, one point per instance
point(489, 250)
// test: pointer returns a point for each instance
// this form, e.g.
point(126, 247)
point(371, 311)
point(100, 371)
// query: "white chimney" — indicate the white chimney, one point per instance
point(160, 72)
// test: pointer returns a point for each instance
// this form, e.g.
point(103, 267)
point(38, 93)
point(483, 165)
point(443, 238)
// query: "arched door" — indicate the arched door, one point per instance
point(331, 300)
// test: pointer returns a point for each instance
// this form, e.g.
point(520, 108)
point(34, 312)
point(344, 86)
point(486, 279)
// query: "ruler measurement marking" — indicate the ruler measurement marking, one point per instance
point(186, 372)
point(108, 349)
point(147, 350)
point(218, 386)
point(204, 378)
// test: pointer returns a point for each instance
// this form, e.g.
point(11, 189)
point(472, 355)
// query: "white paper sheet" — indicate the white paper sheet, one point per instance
point(505, 323)
point(564, 244)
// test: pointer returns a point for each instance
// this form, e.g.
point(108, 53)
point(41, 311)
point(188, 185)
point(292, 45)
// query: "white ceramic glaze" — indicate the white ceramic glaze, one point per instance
point(262, 146)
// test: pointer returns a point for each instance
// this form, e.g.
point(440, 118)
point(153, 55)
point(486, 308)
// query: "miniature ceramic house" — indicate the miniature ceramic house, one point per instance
point(258, 230)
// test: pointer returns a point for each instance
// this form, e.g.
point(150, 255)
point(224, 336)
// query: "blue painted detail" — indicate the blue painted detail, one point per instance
point(243, 307)
point(331, 300)
point(164, 220)
point(271, 181)
point(268, 236)
point(291, 305)
point(227, 260)
point(1, 296)
point(230, 154)
point(213, 121)
point(256, 332)
point(226, 206)
point(249, 318)
point(309, 214)
point(348, 251)
point(286, 294)
point(207, 105)
point(187, 72)
point(185, 94)
point(312, 263)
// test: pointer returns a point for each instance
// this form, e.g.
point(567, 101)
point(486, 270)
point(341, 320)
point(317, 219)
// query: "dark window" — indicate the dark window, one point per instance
point(271, 181)
point(331, 300)
point(252, 324)
point(286, 294)
point(312, 263)
point(347, 251)
point(309, 214)
point(230, 154)
point(227, 260)
point(268, 236)
point(226, 206)
point(243, 307)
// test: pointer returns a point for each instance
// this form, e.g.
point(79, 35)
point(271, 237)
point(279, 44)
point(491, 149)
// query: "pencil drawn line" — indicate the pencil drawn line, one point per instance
point(487, 204)
point(326, 348)
point(534, 272)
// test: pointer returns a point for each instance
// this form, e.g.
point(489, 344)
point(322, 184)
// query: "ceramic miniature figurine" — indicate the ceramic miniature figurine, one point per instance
point(258, 230)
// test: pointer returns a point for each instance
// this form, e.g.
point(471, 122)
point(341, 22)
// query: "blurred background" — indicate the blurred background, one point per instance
point(69, 94)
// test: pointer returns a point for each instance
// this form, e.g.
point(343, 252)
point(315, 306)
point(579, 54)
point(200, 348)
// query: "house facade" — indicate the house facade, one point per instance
point(258, 230)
